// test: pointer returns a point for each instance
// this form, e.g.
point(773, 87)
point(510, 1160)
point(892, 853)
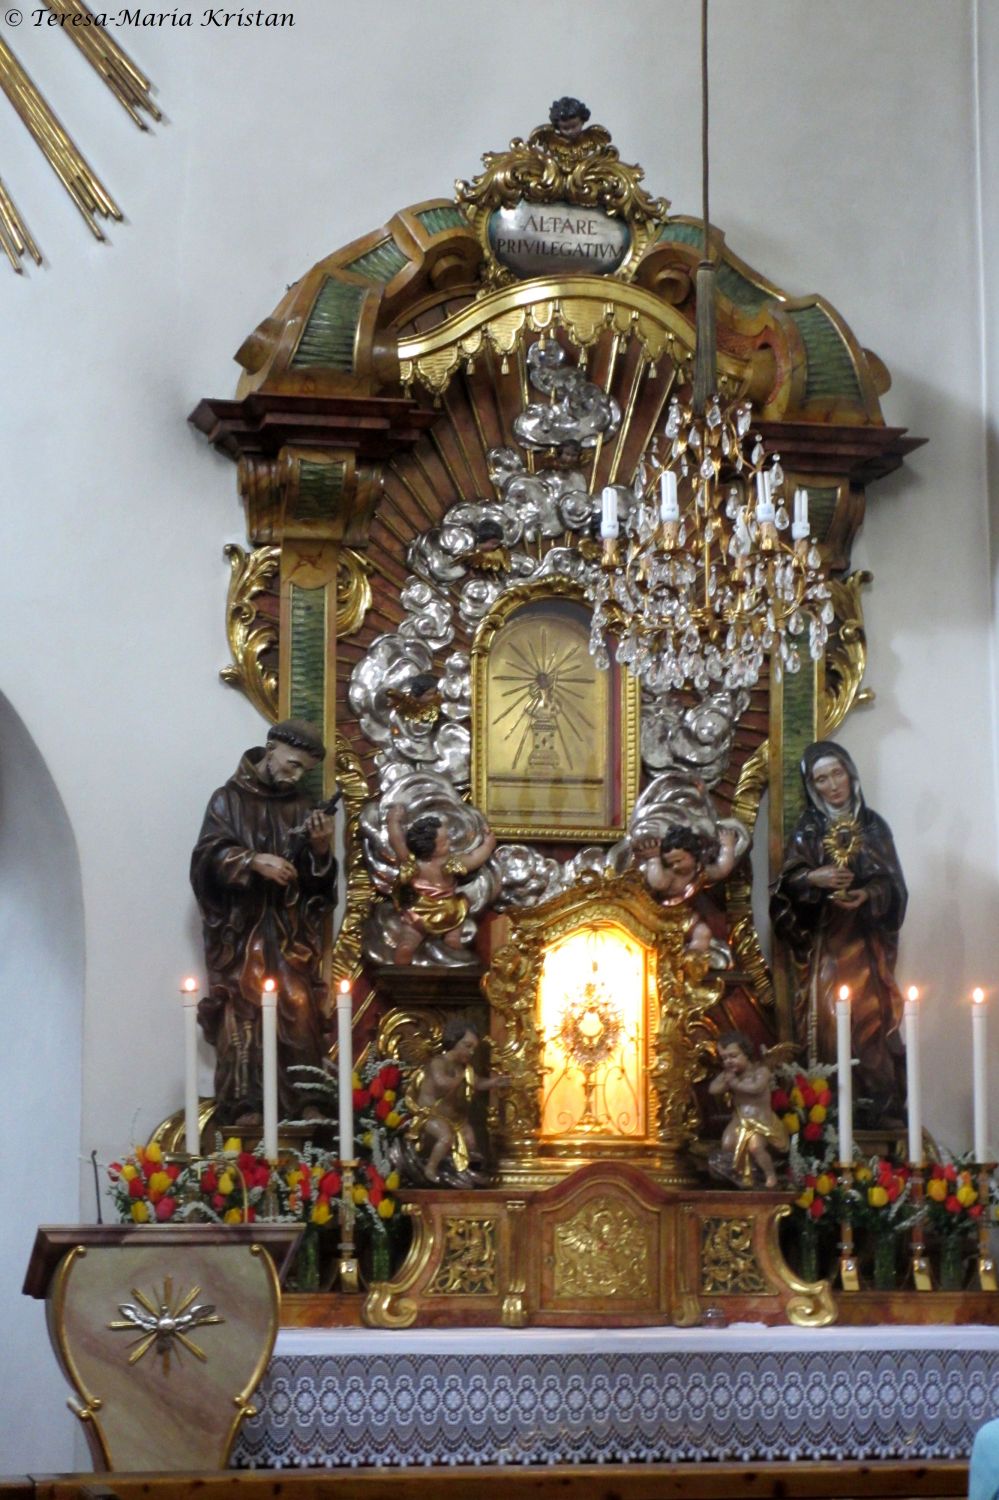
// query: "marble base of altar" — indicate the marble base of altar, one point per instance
point(355, 1397)
point(605, 1247)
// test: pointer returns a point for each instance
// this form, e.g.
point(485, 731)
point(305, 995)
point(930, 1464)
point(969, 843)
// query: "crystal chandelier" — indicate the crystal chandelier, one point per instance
point(704, 574)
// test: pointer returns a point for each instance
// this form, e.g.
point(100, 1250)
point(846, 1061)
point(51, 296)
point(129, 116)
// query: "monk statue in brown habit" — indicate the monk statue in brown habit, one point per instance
point(265, 879)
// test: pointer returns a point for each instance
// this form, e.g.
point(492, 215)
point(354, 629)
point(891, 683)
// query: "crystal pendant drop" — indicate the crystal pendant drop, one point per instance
point(714, 416)
point(758, 454)
point(782, 520)
point(743, 417)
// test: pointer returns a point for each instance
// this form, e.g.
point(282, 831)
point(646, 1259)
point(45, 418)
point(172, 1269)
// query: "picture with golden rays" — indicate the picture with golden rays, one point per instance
point(547, 727)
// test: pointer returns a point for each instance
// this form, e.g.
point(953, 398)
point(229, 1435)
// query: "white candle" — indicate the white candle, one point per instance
point(345, 1067)
point(912, 1076)
point(844, 1075)
point(978, 1018)
point(800, 526)
point(669, 507)
point(192, 1129)
point(609, 527)
point(268, 1010)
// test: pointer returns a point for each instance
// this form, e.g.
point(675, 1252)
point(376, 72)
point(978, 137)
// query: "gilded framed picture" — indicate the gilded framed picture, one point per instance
point(554, 738)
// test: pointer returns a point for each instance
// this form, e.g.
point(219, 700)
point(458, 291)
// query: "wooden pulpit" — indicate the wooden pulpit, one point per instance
point(163, 1331)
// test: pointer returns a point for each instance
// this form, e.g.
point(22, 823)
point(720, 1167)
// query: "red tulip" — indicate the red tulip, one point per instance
point(166, 1208)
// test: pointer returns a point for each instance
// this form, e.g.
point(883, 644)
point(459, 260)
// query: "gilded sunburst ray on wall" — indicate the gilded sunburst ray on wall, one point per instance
point(130, 87)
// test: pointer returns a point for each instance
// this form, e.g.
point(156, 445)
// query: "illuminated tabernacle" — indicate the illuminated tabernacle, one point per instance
point(559, 1085)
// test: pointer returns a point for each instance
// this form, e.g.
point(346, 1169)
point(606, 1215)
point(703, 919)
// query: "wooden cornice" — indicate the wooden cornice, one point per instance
point(261, 424)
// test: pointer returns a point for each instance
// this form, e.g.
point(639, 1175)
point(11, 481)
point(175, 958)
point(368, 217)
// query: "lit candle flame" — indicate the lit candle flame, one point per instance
point(912, 993)
point(844, 992)
point(270, 986)
point(189, 986)
point(978, 995)
point(344, 986)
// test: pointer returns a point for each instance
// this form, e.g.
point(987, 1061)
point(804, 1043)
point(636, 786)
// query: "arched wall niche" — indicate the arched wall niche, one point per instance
point(41, 1073)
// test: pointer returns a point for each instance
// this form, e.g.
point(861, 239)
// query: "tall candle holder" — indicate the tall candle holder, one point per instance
point(849, 1277)
point(347, 1266)
point(922, 1280)
point(986, 1268)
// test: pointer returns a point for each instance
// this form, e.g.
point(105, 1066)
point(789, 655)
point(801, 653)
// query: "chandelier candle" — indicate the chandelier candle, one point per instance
point(268, 1019)
point(844, 1075)
point(669, 507)
point(978, 1019)
point(192, 1128)
point(912, 1076)
point(345, 1069)
point(800, 524)
point(609, 525)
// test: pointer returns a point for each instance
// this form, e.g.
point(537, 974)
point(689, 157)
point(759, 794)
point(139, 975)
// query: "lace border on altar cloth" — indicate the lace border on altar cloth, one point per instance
point(427, 1409)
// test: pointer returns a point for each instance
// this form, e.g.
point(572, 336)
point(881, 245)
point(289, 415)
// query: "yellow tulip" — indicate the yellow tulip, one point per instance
point(355, 1081)
point(804, 1200)
point(392, 1119)
point(153, 1153)
point(294, 1178)
point(389, 1096)
point(791, 1123)
point(877, 1197)
point(392, 1181)
point(386, 1208)
point(233, 1216)
point(159, 1182)
point(226, 1183)
point(128, 1171)
point(140, 1211)
point(817, 1114)
point(936, 1189)
point(320, 1213)
point(233, 1146)
point(825, 1184)
point(863, 1174)
point(366, 1138)
point(967, 1195)
point(797, 1099)
point(360, 1195)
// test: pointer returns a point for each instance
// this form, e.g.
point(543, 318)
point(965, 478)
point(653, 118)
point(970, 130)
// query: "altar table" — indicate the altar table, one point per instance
point(351, 1397)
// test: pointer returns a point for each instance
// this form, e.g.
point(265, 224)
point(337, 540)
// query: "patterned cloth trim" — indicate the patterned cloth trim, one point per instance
point(421, 1410)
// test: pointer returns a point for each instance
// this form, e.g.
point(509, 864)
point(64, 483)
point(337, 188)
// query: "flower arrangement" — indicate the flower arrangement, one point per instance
point(804, 1101)
point(233, 1184)
point(880, 1197)
point(952, 1200)
point(145, 1189)
point(377, 1107)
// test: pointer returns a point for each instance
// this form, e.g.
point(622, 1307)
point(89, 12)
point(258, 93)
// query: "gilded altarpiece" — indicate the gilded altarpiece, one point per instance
point(401, 523)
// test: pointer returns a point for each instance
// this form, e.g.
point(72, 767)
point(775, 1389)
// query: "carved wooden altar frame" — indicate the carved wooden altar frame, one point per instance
point(368, 399)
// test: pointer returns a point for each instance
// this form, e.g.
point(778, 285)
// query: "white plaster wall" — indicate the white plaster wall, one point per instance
point(842, 161)
point(41, 1005)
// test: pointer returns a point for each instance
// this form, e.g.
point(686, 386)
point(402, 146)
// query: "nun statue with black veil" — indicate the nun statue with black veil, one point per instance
point(838, 904)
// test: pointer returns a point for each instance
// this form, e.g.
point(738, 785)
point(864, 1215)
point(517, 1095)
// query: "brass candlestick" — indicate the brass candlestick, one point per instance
point(347, 1265)
point(986, 1260)
point(921, 1278)
point(848, 1275)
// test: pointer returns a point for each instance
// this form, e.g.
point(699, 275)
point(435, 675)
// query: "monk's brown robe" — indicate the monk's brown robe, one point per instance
point(256, 929)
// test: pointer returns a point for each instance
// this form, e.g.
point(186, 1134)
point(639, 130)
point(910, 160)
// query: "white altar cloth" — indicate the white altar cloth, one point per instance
point(352, 1396)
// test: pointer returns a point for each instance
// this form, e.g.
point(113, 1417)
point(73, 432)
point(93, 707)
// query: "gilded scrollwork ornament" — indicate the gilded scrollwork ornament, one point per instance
point(728, 1257)
point(346, 957)
point(469, 1263)
point(566, 162)
point(252, 636)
